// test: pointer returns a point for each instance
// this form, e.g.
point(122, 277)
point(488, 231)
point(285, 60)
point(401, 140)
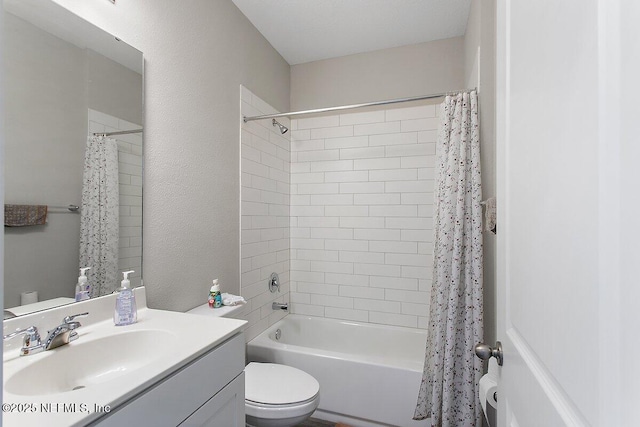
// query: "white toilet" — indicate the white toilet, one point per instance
point(275, 395)
point(278, 395)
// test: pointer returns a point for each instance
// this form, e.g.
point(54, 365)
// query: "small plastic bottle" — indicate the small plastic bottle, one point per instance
point(215, 297)
point(126, 311)
point(83, 289)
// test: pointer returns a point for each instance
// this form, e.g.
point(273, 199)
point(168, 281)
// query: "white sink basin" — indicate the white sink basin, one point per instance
point(107, 366)
point(84, 364)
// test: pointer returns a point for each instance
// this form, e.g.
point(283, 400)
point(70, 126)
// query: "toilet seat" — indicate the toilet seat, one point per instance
point(273, 384)
point(274, 391)
point(266, 411)
point(281, 406)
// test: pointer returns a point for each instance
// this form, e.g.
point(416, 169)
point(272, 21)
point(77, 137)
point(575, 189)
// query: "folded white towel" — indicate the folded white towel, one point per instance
point(229, 299)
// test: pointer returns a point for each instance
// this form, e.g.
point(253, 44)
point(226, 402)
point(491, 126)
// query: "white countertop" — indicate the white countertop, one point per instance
point(190, 337)
point(40, 305)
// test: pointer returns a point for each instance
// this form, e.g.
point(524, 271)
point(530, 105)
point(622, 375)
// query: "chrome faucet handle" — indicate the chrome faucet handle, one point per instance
point(69, 319)
point(31, 343)
point(31, 331)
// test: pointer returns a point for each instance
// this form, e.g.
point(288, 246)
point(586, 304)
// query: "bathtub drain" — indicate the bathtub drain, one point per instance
point(278, 334)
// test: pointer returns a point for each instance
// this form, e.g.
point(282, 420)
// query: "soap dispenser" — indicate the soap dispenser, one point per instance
point(83, 289)
point(215, 298)
point(126, 311)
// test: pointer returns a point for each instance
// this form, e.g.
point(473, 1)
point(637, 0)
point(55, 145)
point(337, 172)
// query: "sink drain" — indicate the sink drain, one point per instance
point(77, 387)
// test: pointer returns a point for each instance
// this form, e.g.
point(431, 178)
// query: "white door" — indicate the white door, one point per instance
point(568, 167)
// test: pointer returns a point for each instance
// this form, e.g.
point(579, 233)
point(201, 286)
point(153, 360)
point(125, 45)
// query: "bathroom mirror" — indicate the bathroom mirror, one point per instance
point(64, 80)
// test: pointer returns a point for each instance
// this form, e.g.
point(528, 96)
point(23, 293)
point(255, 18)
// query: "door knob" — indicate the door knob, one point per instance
point(484, 352)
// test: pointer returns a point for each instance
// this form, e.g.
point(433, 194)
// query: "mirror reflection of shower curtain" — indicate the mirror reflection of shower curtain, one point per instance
point(99, 220)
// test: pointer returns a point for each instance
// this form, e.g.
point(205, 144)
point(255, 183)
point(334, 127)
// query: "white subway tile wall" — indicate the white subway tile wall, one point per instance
point(265, 191)
point(130, 180)
point(362, 215)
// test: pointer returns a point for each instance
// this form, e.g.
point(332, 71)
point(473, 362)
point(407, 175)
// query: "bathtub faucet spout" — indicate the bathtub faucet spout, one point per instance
point(280, 306)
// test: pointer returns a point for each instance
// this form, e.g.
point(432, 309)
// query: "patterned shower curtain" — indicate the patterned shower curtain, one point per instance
point(99, 220)
point(449, 390)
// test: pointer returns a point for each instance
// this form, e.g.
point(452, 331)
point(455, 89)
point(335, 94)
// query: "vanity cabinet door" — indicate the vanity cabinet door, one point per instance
point(225, 409)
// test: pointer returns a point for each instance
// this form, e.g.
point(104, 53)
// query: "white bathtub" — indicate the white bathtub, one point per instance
point(369, 374)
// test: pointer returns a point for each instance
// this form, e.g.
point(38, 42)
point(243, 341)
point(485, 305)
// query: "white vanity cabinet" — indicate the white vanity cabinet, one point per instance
point(208, 391)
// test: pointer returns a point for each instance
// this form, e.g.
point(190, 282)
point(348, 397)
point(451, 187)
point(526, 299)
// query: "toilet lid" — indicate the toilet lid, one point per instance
point(275, 384)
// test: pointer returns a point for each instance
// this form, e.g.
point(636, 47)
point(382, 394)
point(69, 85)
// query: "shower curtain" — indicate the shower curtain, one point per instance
point(449, 388)
point(99, 220)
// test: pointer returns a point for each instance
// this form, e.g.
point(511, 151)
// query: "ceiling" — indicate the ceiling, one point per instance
point(311, 30)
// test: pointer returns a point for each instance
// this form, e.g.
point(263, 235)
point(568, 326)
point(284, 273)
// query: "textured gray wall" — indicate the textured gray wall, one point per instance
point(197, 53)
point(406, 71)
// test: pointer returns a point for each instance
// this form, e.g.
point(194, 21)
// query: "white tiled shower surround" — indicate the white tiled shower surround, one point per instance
point(354, 227)
point(361, 215)
point(130, 180)
point(264, 241)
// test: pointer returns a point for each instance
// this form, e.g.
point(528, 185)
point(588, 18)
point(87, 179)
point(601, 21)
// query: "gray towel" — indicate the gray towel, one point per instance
point(24, 215)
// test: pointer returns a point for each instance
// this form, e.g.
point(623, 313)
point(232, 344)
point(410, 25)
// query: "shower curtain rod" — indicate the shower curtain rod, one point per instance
point(122, 132)
point(349, 107)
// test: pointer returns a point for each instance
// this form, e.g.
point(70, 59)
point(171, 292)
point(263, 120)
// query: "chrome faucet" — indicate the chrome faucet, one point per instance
point(280, 306)
point(64, 333)
point(60, 335)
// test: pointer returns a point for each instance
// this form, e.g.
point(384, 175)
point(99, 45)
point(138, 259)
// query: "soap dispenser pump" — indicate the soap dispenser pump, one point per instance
point(126, 311)
point(83, 289)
